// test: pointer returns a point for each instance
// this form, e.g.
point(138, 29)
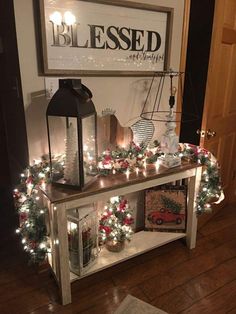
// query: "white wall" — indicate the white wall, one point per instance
point(123, 94)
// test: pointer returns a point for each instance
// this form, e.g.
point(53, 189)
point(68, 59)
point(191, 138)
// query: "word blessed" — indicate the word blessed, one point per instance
point(100, 37)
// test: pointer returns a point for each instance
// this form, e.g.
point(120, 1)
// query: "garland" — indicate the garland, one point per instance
point(121, 159)
point(31, 212)
point(32, 227)
point(210, 191)
point(136, 157)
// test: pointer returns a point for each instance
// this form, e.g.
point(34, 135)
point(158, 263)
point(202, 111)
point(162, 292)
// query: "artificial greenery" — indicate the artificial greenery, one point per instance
point(31, 212)
point(32, 226)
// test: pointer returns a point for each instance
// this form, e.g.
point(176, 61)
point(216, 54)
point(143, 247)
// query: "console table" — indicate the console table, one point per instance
point(60, 200)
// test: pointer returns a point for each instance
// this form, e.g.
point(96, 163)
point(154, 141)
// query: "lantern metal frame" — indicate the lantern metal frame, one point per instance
point(84, 255)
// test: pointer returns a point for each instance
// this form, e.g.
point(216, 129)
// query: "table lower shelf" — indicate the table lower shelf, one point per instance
point(141, 242)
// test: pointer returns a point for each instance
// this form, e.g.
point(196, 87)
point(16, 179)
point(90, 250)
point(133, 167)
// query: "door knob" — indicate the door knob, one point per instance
point(210, 134)
point(201, 132)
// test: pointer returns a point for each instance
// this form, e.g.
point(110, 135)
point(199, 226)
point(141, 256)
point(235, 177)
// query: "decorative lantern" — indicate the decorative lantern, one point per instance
point(71, 124)
point(82, 227)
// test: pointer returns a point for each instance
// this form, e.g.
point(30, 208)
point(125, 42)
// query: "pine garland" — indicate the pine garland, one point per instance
point(32, 226)
point(210, 191)
point(122, 160)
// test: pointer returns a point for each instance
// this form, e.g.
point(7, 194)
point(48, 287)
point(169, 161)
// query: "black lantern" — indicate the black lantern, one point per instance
point(71, 125)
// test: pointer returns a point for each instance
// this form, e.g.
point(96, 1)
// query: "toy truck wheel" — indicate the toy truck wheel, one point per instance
point(178, 221)
point(159, 221)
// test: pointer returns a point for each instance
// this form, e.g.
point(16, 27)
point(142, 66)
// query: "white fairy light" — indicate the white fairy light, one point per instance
point(22, 175)
point(114, 199)
point(42, 245)
point(37, 161)
point(56, 18)
point(30, 186)
point(69, 18)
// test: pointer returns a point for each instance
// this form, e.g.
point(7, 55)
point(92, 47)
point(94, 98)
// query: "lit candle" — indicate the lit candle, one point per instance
point(43, 185)
point(127, 173)
point(145, 164)
point(136, 170)
point(157, 164)
point(114, 171)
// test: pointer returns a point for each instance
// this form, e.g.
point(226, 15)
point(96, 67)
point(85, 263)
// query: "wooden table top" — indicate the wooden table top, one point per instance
point(59, 194)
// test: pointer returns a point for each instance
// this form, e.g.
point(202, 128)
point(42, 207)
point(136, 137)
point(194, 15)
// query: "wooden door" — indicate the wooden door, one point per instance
point(219, 118)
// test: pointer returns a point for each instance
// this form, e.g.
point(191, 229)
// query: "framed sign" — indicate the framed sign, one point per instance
point(166, 208)
point(104, 37)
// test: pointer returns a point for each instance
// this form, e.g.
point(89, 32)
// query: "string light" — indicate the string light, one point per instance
point(134, 159)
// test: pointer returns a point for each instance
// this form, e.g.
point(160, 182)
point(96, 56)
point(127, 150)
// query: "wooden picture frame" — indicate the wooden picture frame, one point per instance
point(166, 208)
point(104, 38)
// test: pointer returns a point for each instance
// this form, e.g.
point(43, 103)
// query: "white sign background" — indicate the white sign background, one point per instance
point(69, 60)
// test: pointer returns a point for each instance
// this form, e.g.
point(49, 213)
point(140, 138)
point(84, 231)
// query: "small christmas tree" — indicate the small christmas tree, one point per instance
point(71, 172)
point(115, 221)
point(171, 204)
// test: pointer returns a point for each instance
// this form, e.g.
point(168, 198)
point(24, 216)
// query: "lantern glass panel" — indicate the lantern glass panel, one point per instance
point(89, 147)
point(64, 141)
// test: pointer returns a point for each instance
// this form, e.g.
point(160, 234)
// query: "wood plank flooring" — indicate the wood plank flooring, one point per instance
point(172, 277)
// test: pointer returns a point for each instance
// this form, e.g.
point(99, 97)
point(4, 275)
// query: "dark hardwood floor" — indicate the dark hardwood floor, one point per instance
point(172, 278)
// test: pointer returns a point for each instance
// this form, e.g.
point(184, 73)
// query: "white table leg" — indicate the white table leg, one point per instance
point(63, 254)
point(193, 188)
